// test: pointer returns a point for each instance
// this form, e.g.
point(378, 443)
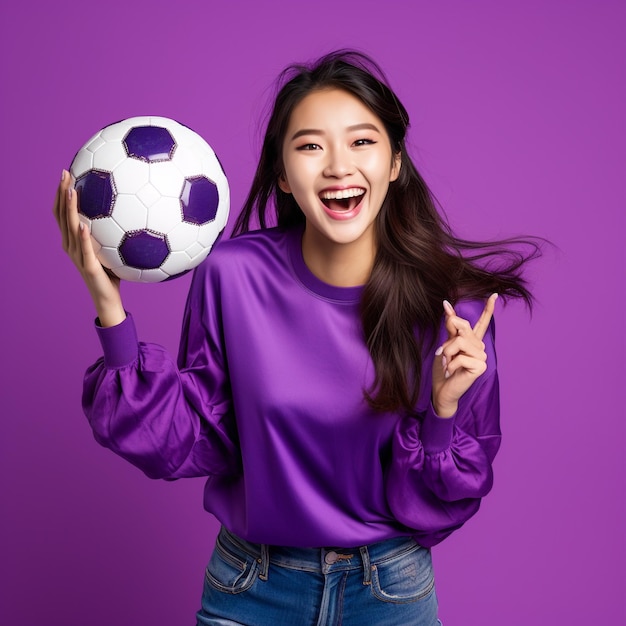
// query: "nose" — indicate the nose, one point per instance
point(339, 163)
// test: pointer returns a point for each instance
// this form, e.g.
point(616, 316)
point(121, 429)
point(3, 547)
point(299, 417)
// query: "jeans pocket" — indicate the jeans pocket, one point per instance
point(230, 570)
point(405, 578)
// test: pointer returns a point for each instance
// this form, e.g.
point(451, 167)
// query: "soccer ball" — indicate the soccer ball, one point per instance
point(154, 196)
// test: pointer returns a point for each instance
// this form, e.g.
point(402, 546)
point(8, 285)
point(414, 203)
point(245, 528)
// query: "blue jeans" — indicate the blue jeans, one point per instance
point(388, 584)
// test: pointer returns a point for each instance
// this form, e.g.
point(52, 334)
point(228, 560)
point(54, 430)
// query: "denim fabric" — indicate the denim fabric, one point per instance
point(387, 584)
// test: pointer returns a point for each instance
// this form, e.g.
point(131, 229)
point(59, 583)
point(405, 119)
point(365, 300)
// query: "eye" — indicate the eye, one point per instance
point(364, 142)
point(309, 146)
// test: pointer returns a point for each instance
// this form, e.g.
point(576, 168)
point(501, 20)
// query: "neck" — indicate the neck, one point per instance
point(338, 264)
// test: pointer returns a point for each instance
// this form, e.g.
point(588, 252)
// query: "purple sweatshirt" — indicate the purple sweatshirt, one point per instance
point(266, 400)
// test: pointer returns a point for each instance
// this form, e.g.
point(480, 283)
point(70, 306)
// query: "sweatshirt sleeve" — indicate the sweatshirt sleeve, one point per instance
point(442, 467)
point(170, 419)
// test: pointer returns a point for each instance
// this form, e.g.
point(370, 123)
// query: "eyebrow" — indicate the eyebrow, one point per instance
point(315, 131)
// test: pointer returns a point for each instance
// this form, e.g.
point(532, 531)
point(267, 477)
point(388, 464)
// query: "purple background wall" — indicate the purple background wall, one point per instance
point(518, 125)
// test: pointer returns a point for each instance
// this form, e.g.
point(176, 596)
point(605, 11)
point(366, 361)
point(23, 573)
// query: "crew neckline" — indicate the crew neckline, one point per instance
point(310, 280)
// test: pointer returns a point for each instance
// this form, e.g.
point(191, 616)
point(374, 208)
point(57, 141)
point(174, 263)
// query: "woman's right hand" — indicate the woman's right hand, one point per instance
point(103, 287)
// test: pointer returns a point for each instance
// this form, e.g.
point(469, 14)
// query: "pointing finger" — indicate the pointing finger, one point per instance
point(480, 328)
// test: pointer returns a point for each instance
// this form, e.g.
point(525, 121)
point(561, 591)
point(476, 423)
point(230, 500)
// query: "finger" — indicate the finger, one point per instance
point(57, 199)
point(72, 209)
point(86, 247)
point(448, 308)
point(60, 208)
point(89, 261)
point(480, 328)
point(470, 346)
point(80, 235)
point(450, 314)
point(72, 220)
point(67, 193)
point(464, 363)
point(456, 325)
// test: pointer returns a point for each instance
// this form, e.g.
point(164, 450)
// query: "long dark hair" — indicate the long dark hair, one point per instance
point(419, 262)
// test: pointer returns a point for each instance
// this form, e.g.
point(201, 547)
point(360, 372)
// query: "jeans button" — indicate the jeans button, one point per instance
point(330, 557)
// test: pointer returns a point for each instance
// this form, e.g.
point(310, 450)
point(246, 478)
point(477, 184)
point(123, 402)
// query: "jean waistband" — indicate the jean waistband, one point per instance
point(322, 560)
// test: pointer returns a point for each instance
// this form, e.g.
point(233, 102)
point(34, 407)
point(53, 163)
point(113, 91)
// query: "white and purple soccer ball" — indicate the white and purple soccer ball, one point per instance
point(154, 196)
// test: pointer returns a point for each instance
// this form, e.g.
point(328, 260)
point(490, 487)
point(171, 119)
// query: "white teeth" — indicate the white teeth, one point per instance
point(341, 194)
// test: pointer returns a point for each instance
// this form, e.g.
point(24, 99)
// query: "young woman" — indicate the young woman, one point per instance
point(344, 411)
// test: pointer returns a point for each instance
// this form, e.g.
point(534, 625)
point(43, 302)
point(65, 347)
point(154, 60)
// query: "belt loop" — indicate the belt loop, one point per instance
point(264, 561)
point(367, 570)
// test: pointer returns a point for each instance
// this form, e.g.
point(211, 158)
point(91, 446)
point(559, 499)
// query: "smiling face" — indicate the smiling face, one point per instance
point(338, 164)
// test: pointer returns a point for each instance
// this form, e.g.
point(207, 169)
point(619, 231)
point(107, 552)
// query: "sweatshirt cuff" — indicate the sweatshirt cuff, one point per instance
point(436, 432)
point(119, 343)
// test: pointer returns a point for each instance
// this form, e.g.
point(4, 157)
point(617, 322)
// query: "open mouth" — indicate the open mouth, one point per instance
point(342, 200)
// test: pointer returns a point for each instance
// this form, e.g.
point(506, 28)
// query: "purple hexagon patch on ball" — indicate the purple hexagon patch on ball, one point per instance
point(144, 250)
point(199, 200)
point(149, 144)
point(95, 194)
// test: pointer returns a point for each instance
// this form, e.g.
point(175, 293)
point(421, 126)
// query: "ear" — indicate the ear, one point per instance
point(395, 167)
point(283, 184)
